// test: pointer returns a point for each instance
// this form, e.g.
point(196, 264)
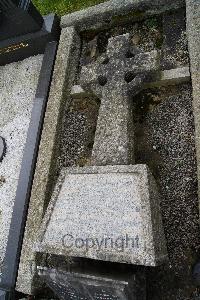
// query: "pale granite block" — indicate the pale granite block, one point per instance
point(107, 213)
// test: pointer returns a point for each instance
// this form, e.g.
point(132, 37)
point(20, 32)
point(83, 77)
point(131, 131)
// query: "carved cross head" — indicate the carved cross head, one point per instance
point(122, 67)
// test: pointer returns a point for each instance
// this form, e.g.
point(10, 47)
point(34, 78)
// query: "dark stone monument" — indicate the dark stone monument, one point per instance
point(23, 31)
point(80, 286)
point(16, 13)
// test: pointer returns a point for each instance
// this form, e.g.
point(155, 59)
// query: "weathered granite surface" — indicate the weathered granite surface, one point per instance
point(162, 78)
point(111, 12)
point(46, 169)
point(117, 75)
point(18, 82)
point(193, 32)
point(109, 213)
point(175, 44)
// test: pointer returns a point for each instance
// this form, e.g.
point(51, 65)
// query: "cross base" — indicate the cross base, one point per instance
point(106, 213)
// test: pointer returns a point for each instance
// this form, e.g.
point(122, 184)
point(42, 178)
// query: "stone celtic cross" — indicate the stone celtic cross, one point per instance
point(114, 77)
point(117, 196)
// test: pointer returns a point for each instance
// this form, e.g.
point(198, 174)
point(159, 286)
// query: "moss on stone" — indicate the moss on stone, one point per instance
point(132, 15)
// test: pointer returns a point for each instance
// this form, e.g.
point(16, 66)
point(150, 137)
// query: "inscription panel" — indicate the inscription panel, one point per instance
point(13, 48)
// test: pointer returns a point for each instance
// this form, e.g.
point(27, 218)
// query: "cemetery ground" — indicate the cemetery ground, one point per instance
point(80, 139)
point(164, 140)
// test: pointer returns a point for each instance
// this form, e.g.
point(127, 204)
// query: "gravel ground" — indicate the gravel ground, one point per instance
point(18, 83)
point(165, 141)
point(78, 130)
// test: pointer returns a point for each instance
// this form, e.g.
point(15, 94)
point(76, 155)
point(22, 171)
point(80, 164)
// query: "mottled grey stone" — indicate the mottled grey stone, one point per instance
point(162, 78)
point(18, 82)
point(111, 12)
point(78, 92)
point(193, 32)
point(170, 77)
point(117, 75)
point(82, 286)
point(174, 49)
point(46, 169)
point(108, 213)
point(2, 148)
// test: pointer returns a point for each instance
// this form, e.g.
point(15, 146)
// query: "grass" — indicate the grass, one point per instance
point(62, 7)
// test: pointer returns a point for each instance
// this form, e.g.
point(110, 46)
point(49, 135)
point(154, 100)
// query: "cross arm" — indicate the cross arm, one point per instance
point(91, 78)
point(144, 62)
point(161, 78)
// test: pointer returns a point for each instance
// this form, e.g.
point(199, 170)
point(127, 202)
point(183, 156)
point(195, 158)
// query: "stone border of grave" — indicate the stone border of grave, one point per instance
point(13, 251)
point(107, 14)
point(193, 29)
point(101, 16)
point(46, 169)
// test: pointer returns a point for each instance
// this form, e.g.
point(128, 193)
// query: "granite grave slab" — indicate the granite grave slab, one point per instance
point(109, 213)
point(16, 105)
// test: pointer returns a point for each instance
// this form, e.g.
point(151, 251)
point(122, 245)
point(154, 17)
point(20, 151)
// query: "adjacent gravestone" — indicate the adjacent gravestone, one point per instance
point(23, 31)
point(18, 18)
point(112, 202)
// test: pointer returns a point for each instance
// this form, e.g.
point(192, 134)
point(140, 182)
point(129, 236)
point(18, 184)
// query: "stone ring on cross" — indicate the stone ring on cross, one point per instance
point(2, 148)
